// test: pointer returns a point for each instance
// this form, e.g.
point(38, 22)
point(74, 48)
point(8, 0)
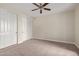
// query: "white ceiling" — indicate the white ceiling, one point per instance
point(28, 7)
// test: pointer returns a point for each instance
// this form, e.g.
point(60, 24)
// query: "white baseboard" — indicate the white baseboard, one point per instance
point(76, 45)
point(54, 40)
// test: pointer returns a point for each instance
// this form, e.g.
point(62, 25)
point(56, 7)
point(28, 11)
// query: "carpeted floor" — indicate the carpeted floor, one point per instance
point(36, 47)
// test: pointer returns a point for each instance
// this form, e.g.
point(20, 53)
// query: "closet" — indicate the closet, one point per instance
point(12, 28)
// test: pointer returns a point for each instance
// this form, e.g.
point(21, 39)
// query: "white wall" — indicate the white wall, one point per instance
point(55, 27)
point(77, 26)
point(29, 27)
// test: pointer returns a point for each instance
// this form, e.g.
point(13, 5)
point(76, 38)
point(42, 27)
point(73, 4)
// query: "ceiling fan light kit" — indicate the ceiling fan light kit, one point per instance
point(41, 7)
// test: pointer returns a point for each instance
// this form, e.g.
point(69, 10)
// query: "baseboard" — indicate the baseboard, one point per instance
point(59, 41)
point(54, 40)
point(24, 40)
point(76, 45)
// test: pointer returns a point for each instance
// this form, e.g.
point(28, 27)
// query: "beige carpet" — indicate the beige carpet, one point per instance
point(35, 47)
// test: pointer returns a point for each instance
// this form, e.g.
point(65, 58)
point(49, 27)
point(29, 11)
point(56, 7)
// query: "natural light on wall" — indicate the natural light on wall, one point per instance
point(14, 29)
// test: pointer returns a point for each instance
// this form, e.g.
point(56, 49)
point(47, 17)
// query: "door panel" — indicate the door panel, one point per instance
point(8, 29)
point(22, 28)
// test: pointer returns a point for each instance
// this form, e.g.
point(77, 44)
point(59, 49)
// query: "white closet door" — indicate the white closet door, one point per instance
point(22, 24)
point(8, 29)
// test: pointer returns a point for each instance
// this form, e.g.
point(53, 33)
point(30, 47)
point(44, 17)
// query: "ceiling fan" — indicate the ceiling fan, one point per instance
point(41, 7)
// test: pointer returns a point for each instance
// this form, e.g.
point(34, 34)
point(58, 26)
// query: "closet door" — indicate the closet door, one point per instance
point(8, 29)
point(22, 24)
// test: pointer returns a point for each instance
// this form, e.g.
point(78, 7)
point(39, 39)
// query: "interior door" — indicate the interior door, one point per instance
point(8, 29)
point(22, 24)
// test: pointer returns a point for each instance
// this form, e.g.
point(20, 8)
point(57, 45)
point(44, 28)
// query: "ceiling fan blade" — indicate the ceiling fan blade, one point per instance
point(36, 4)
point(45, 4)
point(47, 9)
point(35, 9)
point(40, 11)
